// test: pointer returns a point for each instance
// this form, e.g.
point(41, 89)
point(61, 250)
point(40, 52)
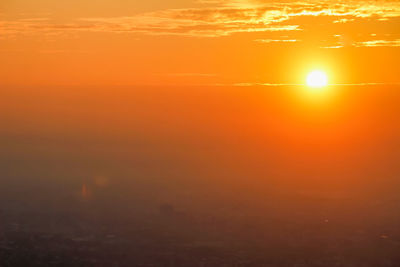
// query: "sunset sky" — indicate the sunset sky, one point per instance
point(200, 133)
point(203, 42)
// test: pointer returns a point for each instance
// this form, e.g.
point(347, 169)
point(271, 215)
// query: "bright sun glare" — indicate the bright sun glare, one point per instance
point(317, 79)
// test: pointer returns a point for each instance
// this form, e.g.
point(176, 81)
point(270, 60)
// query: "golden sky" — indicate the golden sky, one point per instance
point(154, 42)
point(179, 92)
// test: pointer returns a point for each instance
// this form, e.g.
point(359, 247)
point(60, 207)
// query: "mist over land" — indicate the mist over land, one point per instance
point(199, 176)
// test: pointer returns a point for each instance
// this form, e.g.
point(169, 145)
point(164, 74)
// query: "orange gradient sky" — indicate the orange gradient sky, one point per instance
point(187, 102)
point(189, 42)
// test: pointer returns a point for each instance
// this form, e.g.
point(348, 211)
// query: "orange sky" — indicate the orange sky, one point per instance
point(173, 95)
point(88, 42)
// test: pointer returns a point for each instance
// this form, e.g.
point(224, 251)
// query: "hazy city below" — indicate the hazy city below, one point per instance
point(200, 176)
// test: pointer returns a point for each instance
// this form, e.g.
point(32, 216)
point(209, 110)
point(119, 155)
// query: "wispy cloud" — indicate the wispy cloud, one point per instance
point(376, 43)
point(300, 84)
point(333, 47)
point(199, 22)
point(184, 74)
point(63, 51)
point(215, 18)
point(267, 41)
point(369, 41)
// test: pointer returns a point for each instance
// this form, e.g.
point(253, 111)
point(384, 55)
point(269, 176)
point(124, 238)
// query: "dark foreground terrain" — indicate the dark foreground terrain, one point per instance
point(327, 234)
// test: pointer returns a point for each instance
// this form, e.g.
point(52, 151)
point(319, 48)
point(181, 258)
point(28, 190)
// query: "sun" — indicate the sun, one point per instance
point(317, 79)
